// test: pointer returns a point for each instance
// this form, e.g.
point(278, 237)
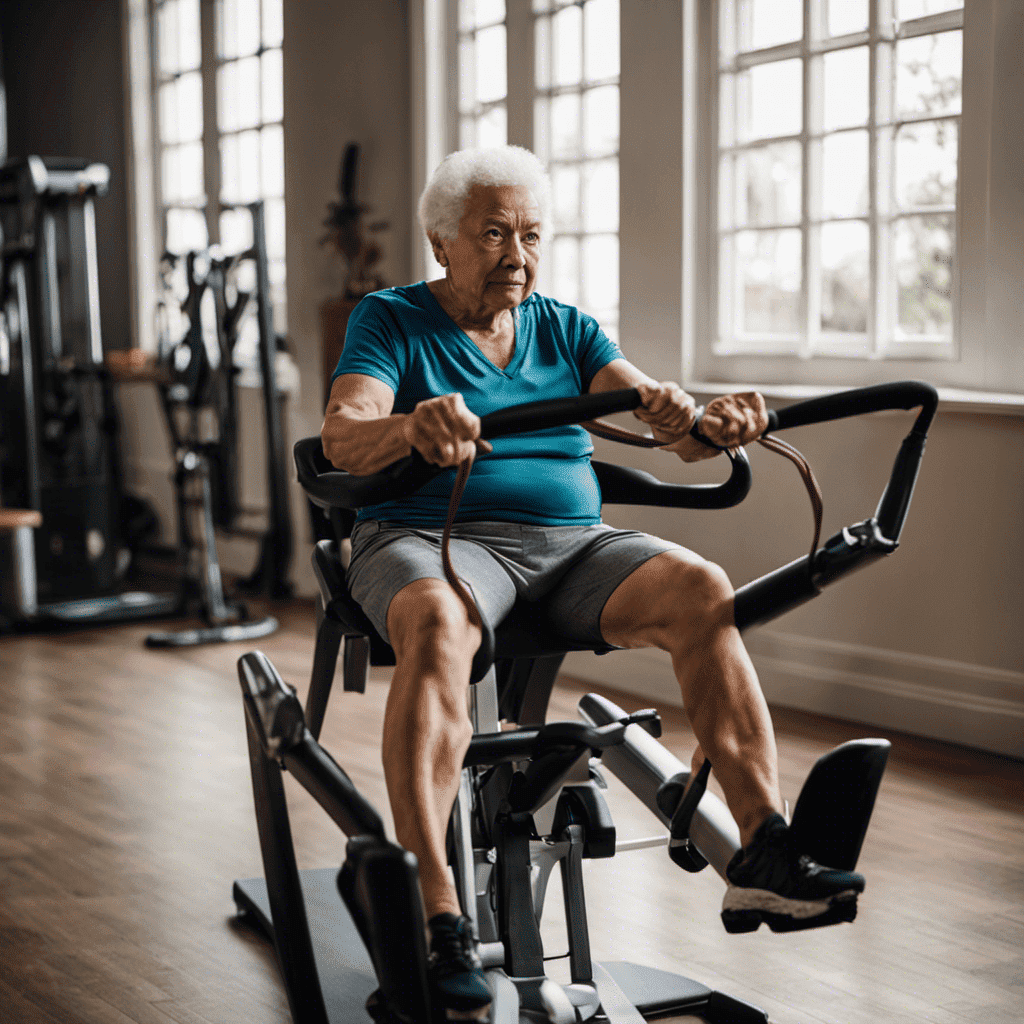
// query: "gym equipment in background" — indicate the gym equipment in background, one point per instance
point(196, 376)
point(531, 797)
point(58, 422)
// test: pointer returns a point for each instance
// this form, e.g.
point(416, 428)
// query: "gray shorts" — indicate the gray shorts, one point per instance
point(571, 570)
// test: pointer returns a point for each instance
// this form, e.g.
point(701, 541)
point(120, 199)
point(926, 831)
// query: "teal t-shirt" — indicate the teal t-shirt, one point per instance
point(404, 338)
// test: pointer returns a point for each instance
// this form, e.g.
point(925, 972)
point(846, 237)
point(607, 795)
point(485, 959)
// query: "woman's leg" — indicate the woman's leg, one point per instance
point(426, 726)
point(683, 604)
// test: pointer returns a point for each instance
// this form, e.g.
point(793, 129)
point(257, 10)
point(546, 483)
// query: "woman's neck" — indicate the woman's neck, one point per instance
point(474, 320)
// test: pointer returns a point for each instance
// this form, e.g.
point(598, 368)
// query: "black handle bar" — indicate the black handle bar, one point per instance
point(904, 394)
point(557, 412)
point(332, 488)
point(858, 545)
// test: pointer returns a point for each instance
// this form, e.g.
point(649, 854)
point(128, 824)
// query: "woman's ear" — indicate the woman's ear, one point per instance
point(437, 245)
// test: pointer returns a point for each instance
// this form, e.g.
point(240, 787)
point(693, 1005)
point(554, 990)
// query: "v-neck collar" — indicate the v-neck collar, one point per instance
point(521, 337)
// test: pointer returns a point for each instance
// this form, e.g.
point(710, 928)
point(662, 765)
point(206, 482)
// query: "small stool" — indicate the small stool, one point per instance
point(18, 562)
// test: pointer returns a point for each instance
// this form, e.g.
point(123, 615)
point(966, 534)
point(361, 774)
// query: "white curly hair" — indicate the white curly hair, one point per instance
point(444, 198)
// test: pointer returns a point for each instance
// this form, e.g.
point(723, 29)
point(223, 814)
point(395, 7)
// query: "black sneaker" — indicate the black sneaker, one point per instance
point(454, 970)
point(772, 882)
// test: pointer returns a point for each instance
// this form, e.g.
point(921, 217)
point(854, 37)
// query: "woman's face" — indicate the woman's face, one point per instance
point(492, 264)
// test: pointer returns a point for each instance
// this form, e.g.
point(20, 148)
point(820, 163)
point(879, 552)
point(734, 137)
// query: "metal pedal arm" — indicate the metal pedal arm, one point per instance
point(643, 765)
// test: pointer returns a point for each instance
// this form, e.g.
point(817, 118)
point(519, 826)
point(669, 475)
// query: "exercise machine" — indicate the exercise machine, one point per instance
point(58, 422)
point(530, 796)
point(196, 376)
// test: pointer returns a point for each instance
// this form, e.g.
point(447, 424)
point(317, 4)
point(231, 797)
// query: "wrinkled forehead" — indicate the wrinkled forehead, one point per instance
point(515, 203)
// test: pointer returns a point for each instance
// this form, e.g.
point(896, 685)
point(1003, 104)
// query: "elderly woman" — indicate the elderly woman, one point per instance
point(421, 364)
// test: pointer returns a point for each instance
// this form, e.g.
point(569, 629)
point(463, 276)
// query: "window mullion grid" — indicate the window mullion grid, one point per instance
point(788, 51)
point(540, 98)
point(881, 143)
point(810, 191)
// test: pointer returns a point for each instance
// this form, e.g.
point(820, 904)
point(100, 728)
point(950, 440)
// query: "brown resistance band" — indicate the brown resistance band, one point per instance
point(611, 432)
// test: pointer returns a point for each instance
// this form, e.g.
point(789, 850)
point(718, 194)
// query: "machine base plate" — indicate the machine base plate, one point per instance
point(347, 977)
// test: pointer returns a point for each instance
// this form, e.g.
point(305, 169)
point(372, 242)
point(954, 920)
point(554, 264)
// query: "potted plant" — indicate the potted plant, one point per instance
point(353, 240)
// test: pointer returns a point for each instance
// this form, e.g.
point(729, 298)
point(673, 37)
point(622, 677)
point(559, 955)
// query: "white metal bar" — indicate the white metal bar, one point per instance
point(92, 281)
point(628, 845)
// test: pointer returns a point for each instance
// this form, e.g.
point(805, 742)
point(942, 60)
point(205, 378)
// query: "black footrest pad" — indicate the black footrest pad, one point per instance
point(834, 808)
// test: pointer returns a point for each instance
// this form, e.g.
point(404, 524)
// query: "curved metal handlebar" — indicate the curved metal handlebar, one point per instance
point(904, 394)
point(332, 488)
point(557, 412)
point(862, 543)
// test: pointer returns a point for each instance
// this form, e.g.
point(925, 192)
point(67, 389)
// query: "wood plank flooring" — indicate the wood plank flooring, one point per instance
point(126, 812)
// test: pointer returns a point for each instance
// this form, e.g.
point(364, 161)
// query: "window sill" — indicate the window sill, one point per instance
point(957, 400)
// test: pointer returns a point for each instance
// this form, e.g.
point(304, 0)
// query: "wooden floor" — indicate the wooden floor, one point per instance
point(126, 811)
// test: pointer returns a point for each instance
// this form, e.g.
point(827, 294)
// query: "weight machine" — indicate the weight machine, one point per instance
point(58, 421)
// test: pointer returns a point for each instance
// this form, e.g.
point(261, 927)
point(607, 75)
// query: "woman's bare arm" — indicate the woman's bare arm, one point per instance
point(362, 436)
point(729, 420)
point(359, 433)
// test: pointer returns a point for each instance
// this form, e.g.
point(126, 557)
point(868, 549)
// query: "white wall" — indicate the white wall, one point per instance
point(346, 79)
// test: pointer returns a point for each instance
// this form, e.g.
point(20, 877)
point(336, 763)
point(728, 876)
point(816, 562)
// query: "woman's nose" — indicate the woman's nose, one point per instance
point(514, 252)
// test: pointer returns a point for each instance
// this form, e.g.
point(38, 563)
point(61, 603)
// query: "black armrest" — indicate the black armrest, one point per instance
point(333, 488)
point(623, 485)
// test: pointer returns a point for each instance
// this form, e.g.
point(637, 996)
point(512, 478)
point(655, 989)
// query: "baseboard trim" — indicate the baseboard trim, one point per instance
point(938, 698)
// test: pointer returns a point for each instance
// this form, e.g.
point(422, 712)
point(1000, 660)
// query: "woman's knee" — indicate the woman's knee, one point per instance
point(427, 621)
point(697, 598)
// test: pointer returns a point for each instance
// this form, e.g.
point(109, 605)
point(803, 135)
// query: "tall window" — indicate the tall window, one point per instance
point(576, 128)
point(218, 82)
point(837, 177)
point(483, 80)
point(179, 109)
point(564, 105)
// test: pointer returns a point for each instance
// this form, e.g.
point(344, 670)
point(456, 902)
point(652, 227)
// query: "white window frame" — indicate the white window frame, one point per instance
point(212, 136)
point(667, 312)
point(435, 51)
point(879, 340)
point(966, 361)
point(543, 98)
point(475, 113)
